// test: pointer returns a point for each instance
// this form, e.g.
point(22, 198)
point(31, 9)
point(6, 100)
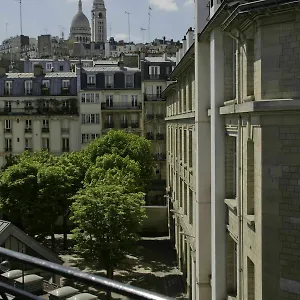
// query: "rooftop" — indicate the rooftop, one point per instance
point(46, 75)
point(160, 59)
point(110, 69)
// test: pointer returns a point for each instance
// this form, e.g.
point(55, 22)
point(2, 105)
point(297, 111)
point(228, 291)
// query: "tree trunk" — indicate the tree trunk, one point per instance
point(110, 275)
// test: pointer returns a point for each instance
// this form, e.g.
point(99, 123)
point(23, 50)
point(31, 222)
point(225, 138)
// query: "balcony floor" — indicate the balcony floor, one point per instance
point(151, 266)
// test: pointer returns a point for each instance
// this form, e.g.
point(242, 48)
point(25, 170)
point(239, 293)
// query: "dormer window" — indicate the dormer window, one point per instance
point(129, 81)
point(154, 72)
point(48, 66)
point(28, 87)
point(8, 88)
point(46, 83)
point(109, 81)
point(91, 80)
point(65, 83)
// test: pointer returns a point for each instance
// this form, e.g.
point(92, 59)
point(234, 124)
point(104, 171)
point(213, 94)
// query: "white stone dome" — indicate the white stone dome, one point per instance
point(80, 21)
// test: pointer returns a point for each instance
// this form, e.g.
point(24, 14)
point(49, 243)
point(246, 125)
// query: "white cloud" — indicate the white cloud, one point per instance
point(168, 5)
point(189, 2)
point(121, 36)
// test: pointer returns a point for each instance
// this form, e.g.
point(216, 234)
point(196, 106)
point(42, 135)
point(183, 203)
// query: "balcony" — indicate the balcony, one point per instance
point(66, 149)
point(160, 156)
point(28, 130)
point(65, 91)
point(7, 130)
point(108, 125)
point(20, 290)
point(160, 136)
point(109, 85)
point(45, 91)
point(154, 76)
point(8, 149)
point(124, 125)
point(28, 92)
point(7, 92)
point(150, 136)
point(45, 130)
point(121, 106)
point(150, 117)
point(153, 97)
point(134, 124)
point(129, 85)
point(91, 85)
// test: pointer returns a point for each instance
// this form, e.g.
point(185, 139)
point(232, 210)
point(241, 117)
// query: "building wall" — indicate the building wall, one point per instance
point(180, 123)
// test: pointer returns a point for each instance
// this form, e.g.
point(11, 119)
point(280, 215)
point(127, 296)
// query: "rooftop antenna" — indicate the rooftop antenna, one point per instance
point(21, 22)
point(62, 31)
point(128, 14)
point(149, 23)
point(143, 29)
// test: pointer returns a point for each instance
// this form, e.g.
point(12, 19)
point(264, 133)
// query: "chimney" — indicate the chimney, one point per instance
point(190, 38)
point(181, 54)
point(38, 70)
point(184, 45)
point(165, 56)
point(177, 57)
point(142, 55)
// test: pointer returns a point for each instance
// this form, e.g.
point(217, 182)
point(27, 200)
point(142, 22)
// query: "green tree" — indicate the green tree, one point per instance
point(125, 144)
point(107, 220)
point(113, 169)
point(22, 202)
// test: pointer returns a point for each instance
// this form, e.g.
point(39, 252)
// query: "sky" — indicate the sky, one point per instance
point(169, 18)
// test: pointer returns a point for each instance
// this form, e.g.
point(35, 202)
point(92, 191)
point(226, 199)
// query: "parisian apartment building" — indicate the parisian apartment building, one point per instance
point(233, 152)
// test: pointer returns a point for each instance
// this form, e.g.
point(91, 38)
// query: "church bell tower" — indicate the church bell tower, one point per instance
point(99, 23)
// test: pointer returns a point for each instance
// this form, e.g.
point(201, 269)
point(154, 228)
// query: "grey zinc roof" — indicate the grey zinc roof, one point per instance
point(159, 59)
point(105, 62)
point(47, 75)
point(109, 69)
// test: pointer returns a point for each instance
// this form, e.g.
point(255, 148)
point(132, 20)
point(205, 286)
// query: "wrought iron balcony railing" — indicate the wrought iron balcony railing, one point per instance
point(92, 280)
point(153, 97)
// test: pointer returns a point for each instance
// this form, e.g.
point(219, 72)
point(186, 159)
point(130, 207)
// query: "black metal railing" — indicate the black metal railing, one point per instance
point(150, 136)
point(120, 106)
point(153, 97)
point(72, 273)
point(39, 111)
point(108, 125)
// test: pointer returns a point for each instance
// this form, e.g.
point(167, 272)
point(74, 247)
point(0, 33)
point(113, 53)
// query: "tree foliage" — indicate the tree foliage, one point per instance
point(125, 144)
point(107, 219)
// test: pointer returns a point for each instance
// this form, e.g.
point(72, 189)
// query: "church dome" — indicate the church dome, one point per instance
point(80, 21)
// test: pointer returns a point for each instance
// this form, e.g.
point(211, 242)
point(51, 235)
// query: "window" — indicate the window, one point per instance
point(28, 104)
point(90, 118)
point(190, 148)
point(61, 68)
point(65, 144)
point(28, 87)
point(8, 106)
point(84, 138)
point(109, 100)
point(97, 98)
point(167, 70)
point(7, 124)
point(158, 90)
point(8, 88)
point(45, 123)
point(134, 100)
point(28, 124)
point(49, 66)
point(230, 166)
point(95, 136)
point(45, 143)
point(28, 143)
point(109, 81)
point(91, 80)
point(129, 81)
point(46, 83)
point(154, 71)
point(66, 83)
point(191, 204)
point(8, 145)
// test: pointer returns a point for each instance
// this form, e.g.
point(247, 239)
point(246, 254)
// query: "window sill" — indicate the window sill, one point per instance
point(232, 204)
point(250, 219)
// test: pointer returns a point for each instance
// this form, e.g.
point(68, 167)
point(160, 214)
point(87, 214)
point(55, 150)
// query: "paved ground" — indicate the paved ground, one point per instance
point(152, 266)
